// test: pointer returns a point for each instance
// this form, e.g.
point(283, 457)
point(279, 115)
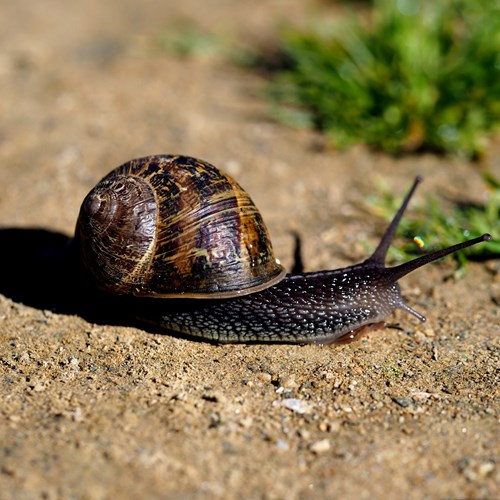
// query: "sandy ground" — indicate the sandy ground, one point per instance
point(94, 407)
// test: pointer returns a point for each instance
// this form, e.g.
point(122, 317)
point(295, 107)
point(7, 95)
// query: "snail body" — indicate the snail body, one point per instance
point(186, 249)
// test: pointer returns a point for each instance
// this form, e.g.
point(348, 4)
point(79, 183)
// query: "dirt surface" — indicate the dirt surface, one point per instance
point(93, 407)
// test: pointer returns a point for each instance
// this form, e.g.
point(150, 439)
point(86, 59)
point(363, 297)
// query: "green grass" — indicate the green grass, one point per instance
point(440, 228)
point(423, 75)
point(185, 39)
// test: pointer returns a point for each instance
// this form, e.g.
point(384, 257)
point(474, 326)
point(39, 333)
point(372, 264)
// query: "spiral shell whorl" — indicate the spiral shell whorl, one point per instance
point(175, 226)
point(117, 233)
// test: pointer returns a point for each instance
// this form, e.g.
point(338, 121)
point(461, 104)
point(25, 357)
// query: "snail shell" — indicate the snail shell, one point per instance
point(174, 226)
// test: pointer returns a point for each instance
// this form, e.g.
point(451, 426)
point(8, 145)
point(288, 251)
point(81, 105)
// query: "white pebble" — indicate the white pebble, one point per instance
point(297, 405)
point(321, 446)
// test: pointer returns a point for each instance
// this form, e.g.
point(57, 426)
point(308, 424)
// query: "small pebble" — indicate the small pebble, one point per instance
point(282, 445)
point(329, 426)
point(420, 338)
point(288, 382)
point(77, 415)
point(321, 446)
point(421, 396)
point(323, 426)
point(297, 405)
point(304, 434)
point(404, 402)
point(74, 362)
point(246, 422)
point(485, 469)
point(337, 383)
point(335, 426)
point(25, 358)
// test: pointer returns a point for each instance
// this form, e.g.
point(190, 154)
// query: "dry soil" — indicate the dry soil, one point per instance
point(96, 407)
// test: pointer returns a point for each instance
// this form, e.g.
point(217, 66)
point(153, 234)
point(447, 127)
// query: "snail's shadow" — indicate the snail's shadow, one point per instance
point(38, 271)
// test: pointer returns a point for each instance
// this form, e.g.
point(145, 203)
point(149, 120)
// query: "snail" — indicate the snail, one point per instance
point(186, 248)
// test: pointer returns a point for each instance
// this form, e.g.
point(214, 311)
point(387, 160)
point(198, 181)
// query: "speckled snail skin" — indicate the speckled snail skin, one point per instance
point(187, 246)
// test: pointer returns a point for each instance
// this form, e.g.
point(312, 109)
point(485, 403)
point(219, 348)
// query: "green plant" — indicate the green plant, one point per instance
point(186, 39)
point(433, 226)
point(422, 75)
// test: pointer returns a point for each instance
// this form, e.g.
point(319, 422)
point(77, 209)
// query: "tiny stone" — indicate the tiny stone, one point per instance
point(335, 426)
point(288, 382)
point(470, 474)
point(25, 358)
point(77, 415)
point(246, 423)
point(485, 469)
point(282, 445)
point(420, 396)
point(321, 446)
point(404, 402)
point(297, 405)
point(304, 434)
point(323, 426)
point(179, 396)
point(420, 338)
